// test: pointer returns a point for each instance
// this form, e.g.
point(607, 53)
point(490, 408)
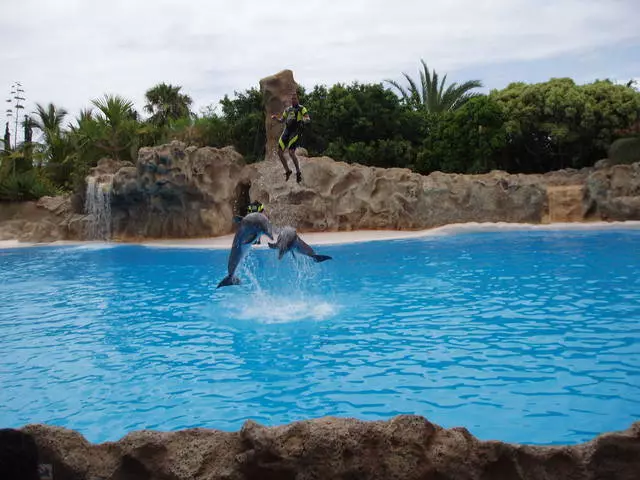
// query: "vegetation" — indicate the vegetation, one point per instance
point(431, 96)
point(426, 126)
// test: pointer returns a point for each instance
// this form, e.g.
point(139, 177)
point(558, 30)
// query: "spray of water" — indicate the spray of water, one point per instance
point(280, 291)
point(98, 207)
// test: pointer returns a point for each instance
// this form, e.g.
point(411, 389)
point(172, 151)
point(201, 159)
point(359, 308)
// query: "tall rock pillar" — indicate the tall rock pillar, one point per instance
point(276, 90)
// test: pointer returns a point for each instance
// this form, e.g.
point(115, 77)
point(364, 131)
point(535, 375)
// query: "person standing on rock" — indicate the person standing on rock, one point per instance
point(294, 118)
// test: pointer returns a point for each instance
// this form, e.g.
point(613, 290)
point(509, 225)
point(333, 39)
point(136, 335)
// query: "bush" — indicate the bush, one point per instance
point(26, 186)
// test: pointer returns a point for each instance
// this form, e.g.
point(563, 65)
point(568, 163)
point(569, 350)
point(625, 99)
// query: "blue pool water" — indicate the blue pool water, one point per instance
point(529, 337)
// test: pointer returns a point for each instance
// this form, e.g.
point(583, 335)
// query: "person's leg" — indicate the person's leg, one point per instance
point(292, 152)
point(280, 149)
point(293, 144)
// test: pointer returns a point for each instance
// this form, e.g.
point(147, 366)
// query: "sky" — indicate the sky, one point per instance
point(72, 51)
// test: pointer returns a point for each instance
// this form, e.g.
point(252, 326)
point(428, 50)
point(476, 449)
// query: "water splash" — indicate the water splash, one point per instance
point(280, 291)
point(98, 207)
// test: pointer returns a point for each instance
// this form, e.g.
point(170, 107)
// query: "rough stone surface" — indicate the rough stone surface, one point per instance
point(276, 90)
point(615, 192)
point(175, 191)
point(404, 447)
point(337, 196)
point(566, 203)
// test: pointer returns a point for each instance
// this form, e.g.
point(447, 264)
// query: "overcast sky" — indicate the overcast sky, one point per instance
point(71, 51)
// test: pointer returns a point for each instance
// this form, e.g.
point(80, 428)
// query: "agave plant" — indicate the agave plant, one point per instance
point(430, 94)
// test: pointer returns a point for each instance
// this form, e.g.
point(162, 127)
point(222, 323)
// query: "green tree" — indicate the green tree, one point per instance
point(558, 124)
point(470, 139)
point(245, 117)
point(165, 104)
point(430, 95)
point(363, 123)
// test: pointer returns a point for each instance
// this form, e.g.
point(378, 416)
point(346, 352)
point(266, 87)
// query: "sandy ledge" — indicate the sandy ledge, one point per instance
point(357, 236)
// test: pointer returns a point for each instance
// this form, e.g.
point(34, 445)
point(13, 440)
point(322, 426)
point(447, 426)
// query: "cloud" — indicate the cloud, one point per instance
point(71, 51)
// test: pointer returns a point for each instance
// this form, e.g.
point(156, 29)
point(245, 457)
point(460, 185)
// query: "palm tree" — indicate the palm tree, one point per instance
point(118, 125)
point(165, 103)
point(431, 96)
point(49, 121)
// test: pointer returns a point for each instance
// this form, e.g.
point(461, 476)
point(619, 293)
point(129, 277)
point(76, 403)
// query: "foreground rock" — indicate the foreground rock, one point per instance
point(405, 447)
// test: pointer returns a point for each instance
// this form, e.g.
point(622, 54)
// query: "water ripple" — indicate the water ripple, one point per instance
point(523, 337)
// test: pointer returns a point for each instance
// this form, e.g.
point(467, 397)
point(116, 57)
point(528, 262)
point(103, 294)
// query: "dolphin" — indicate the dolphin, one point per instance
point(289, 241)
point(251, 227)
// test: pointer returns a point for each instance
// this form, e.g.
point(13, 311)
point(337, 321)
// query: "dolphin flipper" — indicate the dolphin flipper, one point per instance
point(305, 249)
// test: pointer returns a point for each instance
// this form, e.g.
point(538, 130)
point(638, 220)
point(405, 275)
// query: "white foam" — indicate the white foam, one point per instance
point(271, 309)
point(94, 246)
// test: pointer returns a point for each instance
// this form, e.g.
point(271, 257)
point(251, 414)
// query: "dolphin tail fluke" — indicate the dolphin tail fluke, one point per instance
point(321, 258)
point(229, 280)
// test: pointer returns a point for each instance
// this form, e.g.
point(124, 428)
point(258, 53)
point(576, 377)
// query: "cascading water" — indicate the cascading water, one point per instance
point(98, 207)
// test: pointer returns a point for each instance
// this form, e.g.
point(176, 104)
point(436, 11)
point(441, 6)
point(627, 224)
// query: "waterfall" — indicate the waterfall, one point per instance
point(98, 206)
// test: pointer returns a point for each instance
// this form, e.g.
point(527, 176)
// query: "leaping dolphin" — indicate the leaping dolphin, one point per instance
point(251, 227)
point(289, 241)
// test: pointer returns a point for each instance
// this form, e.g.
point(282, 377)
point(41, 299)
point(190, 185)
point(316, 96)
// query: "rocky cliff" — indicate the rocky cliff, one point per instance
point(404, 447)
point(176, 191)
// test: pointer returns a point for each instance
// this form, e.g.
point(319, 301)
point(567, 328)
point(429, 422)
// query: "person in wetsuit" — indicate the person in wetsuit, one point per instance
point(254, 206)
point(294, 118)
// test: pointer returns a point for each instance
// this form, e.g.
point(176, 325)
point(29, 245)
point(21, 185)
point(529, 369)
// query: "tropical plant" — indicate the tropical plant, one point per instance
point(118, 127)
point(430, 95)
point(23, 186)
point(54, 147)
point(165, 104)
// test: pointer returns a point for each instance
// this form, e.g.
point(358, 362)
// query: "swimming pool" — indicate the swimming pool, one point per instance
point(530, 337)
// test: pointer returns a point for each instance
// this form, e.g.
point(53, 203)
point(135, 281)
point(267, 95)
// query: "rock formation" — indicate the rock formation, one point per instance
point(615, 192)
point(175, 191)
point(276, 90)
point(340, 196)
point(404, 447)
